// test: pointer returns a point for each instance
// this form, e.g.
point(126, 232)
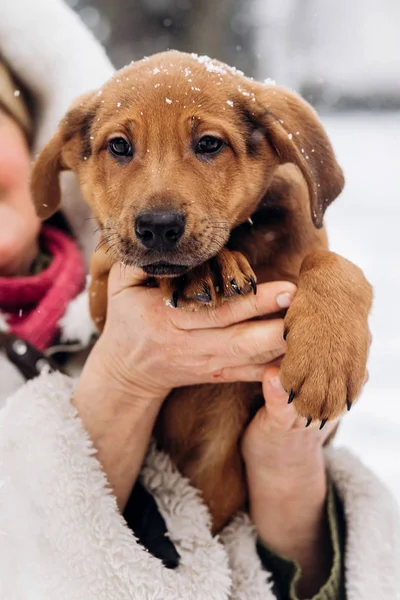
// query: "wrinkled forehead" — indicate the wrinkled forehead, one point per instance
point(169, 83)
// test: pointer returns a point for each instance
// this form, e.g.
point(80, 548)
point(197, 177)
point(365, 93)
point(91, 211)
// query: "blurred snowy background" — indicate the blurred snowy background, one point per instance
point(344, 57)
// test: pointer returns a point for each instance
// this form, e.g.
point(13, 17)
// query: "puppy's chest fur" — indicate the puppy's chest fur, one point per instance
point(201, 426)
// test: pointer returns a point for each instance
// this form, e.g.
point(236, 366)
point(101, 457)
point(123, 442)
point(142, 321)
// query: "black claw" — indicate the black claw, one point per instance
point(202, 298)
point(235, 286)
point(349, 404)
point(309, 420)
point(174, 299)
point(323, 423)
point(253, 284)
point(205, 296)
point(291, 397)
point(285, 333)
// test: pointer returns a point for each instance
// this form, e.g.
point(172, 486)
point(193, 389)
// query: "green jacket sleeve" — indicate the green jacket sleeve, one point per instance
point(287, 573)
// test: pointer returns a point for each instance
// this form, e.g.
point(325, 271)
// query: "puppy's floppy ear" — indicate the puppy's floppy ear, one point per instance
point(293, 129)
point(61, 153)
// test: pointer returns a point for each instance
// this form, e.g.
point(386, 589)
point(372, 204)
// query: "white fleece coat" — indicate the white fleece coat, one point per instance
point(61, 535)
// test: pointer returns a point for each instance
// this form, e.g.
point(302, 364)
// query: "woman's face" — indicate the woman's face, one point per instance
point(19, 225)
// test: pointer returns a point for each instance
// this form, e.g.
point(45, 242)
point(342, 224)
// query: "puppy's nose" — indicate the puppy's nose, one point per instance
point(160, 230)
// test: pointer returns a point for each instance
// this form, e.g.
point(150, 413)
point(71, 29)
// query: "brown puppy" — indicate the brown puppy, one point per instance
point(185, 163)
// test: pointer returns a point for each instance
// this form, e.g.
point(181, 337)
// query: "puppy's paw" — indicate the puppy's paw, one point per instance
point(324, 368)
point(222, 278)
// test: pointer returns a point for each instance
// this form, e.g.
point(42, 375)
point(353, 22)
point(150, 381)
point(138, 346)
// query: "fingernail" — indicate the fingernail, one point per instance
point(284, 300)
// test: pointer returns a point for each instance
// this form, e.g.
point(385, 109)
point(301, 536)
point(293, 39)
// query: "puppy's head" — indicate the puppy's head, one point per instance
point(177, 150)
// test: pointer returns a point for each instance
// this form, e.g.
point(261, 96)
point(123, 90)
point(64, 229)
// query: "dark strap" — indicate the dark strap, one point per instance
point(29, 360)
point(143, 517)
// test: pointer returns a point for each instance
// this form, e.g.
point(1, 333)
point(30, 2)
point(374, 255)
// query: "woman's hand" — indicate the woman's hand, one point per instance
point(287, 484)
point(148, 348)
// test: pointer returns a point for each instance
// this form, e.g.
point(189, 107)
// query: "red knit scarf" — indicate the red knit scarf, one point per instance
point(34, 304)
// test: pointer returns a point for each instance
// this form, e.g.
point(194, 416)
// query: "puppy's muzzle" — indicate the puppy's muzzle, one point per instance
point(160, 231)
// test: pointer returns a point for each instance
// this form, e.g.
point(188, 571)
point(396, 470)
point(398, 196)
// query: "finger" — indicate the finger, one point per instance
point(255, 341)
point(246, 373)
point(216, 364)
point(279, 413)
point(270, 298)
point(123, 276)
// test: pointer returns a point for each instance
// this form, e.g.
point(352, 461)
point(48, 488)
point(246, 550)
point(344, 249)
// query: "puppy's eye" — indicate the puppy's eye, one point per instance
point(209, 145)
point(119, 146)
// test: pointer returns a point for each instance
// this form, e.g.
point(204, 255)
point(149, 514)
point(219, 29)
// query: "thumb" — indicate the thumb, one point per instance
point(122, 277)
point(278, 411)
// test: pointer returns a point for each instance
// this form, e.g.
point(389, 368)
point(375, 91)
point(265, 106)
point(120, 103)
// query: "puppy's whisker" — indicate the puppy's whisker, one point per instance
point(110, 236)
point(109, 249)
point(102, 230)
point(106, 240)
point(100, 245)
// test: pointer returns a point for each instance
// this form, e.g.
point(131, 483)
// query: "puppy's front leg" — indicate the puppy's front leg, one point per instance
point(100, 268)
point(327, 334)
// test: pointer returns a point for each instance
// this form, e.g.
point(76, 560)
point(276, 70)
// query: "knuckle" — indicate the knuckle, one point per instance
point(217, 316)
point(268, 357)
point(236, 347)
point(276, 340)
point(260, 347)
point(255, 306)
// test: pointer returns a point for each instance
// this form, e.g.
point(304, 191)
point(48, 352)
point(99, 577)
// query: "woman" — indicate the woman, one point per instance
point(71, 451)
